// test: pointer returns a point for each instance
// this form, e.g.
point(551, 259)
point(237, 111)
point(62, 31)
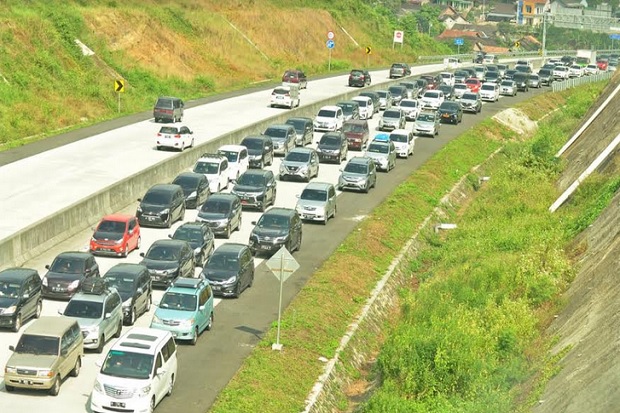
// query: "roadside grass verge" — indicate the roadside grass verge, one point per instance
point(471, 338)
point(315, 321)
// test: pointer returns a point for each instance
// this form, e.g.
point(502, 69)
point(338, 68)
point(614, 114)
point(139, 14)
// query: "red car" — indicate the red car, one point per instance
point(295, 76)
point(357, 133)
point(473, 84)
point(116, 235)
point(602, 65)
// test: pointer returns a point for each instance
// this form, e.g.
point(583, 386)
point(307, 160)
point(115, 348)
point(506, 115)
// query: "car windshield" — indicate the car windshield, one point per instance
point(346, 108)
point(298, 156)
point(84, 309)
point(396, 91)
point(207, 168)
point(356, 73)
point(431, 95)
point(353, 127)
point(394, 114)
point(128, 365)
point(232, 156)
point(450, 106)
point(164, 103)
point(157, 197)
point(281, 91)
point(460, 86)
point(382, 94)
point(330, 140)
point(397, 137)
point(253, 143)
point(116, 227)
point(273, 221)
point(362, 103)
point(177, 301)
point(10, 290)
point(251, 180)
point(186, 182)
point(486, 86)
point(378, 148)
point(409, 103)
point(186, 233)
point(461, 73)
point(298, 124)
point(222, 261)
point(356, 168)
point(544, 72)
point(169, 130)
point(216, 206)
point(313, 195)
point(276, 132)
point(120, 283)
point(426, 117)
point(37, 345)
point(469, 96)
point(533, 77)
point(324, 113)
point(163, 253)
point(472, 81)
point(507, 83)
point(67, 266)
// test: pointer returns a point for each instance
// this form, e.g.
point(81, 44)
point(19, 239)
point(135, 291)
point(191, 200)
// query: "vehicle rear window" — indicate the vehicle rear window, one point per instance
point(276, 132)
point(313, 195)
point(298, 124)
point(353, 127)
point(486, 86)
point(378, 148)
point(164, 103)
point(409, 103)
point(330, 140)
point(298, 156)
point(157, 197)
point(391, 114)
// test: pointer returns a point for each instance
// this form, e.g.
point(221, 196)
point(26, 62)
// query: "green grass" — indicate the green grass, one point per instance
point(468, 305)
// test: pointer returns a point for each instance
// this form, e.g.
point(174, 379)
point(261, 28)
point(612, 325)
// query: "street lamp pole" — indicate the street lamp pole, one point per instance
point(544, 39)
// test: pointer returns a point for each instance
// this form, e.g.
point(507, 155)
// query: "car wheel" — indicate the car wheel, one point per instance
point(325, 219)
point(237, 290)
point(210, 323)
point(299, 243)
point(182, 147)
point(152, 405)
point(149, 301)
point(195, 337)
point(158, 148)
point(191, 144)
point(169, 221)
point(125, 251)
point(39, 310)
point(335, 211)
point(262, 163)
point(239, 224)
point(228, 231)
point(139, 244)
point(99, 348)
point(18, 323)
point(170, 386)
point(132, 316)
point(76, 369)
point(263, 206)
point(55, 389)
point(8, 388)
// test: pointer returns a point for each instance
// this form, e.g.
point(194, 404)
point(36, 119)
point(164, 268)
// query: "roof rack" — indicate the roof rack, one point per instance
point(193, 283)
point(212, 155)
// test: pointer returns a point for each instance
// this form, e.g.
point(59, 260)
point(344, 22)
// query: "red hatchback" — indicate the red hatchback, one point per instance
point(473, 84)
point(116, 235)
point(295, 76)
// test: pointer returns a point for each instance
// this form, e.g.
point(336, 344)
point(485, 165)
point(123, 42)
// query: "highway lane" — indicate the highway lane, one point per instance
point(69, 173)
point(239, 324)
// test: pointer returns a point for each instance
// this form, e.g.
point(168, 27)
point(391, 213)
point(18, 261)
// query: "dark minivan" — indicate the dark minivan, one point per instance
point(230, 269)
point(521, 80)
point(168, 109)
point(222, 213)
point(161, 206)
point(260, 150)
point(276, 228)
point(332, 147)
point(167, 260)
point(67, 272)
point(20, 297)
point(133, 283)
point(195, 188)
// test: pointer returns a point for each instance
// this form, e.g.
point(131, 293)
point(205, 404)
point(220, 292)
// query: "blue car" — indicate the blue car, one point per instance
point(186, 309)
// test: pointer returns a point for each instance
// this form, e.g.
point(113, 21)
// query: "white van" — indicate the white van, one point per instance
point(138, 372)
point(238, 160)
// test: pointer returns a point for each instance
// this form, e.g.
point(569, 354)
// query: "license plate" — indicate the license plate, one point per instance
point(280, 97)
point(244, 201)
point(117, 404)
point(29, 382)
point(445, 115)
point(150, 218)
point(307, 216)
point(57, 289)
point(264, 247)
point(216, 287)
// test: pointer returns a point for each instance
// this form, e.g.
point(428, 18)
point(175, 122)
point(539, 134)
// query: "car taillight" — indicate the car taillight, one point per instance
point(159, 134)
point(288, 94)
point(177, 136)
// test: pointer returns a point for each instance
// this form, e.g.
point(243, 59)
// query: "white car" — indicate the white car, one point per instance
point(174, 137)
point(575, 71)
point(404, 141)
point(215, 168)
point(489, 92)
point(447, 78)
point(238, 160)
point(432, 99)
point(367, 108)
point(459, 90)
point(137, 373)
point(285, 96)
point(410, 107)
point(508, 88)
point(560, 72)
point(591, 70)
point(329, 119)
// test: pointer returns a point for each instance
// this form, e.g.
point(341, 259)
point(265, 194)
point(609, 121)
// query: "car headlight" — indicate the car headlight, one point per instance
point(9, 310)
point(127, 303)
point(118, 241)
point(97, 387)
point(10, 370)
point(144, 391)
point(44, 281)
point(319, 150)
point(231, 280)
point(303, 168)
point(187, 323)
point(92, 329)
point(139, 209)
point(197, 250)
point(193, 195)
point(164, 211)
point(281, 239)
point(45, 373)
point(74, 285)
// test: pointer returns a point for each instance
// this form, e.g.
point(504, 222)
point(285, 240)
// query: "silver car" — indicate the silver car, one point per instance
point(383, 152)
point(427, 123)
point(392, 119)
point(317, 202)
point(359, 174)
point(385, 99)
point(283, 138)
point(99, 315)
point(300, 163)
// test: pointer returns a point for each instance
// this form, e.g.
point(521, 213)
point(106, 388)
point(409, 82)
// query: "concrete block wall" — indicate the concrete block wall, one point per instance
point(30, 242)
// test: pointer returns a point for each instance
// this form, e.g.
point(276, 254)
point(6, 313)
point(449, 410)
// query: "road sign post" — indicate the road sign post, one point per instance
point(330, 45)
point(368, 53)
point(119, 87)
point(398, 38)
point(458, 42)
point(283, 265)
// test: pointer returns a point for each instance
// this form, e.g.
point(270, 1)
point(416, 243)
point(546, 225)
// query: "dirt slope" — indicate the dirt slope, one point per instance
point(588, 329)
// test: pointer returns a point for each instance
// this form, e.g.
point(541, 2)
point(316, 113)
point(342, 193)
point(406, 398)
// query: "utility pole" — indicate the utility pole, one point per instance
point(544, 39)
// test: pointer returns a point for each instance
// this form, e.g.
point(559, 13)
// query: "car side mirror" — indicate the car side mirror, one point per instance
point(161, 371)
point(139, 290)
point(340, 170)
point(47, 267)
point(108, 315)
point(191, 132)
point(297, 196)
point(139, 199)
point(12, 348)
point(170, 236)
point(156, 303)
point(201, 308)
point(98, 363)
point(87, 271)
point(60, 312)
point(253, 222)
point(26, 296)
point(142, 254)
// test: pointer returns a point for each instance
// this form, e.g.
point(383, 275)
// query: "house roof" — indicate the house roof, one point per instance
point(503, 8)
point(453, 34)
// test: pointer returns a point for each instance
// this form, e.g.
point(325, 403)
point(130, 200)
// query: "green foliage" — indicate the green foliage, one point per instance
point(592, 196)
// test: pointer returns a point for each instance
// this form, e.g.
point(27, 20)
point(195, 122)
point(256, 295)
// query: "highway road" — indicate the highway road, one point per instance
point(239, 324)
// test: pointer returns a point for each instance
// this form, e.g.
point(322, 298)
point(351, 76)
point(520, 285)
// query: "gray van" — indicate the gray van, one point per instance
point(168, 109)
point(49, 350)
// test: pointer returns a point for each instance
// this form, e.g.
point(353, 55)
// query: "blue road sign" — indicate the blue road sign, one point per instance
point(330, 44)
point(458, 41)
point(615, 36)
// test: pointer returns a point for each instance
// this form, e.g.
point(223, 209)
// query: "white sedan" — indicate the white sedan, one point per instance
point(432, 99)
point(174, 137)
point(591, 70)
point(575, 71)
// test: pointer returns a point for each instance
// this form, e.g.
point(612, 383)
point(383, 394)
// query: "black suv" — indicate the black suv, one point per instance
point(133, 283)
point(200, 238)
point(167, 260)
point(359, 78)
point(399, 92)
point(333, 147)
point(521, 79)
point(230, 270)
point(399, 70)
point(260, 150)
point(256, 188)
point(20, 297)
point(222, 213)
point(161, 206)
point(451, 112)
point(195, 188)
point(276, 228)
point(67, 272)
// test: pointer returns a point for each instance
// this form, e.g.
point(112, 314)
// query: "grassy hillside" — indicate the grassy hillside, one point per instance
point(191, 49)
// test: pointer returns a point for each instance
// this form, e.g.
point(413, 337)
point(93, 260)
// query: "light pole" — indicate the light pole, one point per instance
point(544, 39)
point(430, 25)
point(483, 4)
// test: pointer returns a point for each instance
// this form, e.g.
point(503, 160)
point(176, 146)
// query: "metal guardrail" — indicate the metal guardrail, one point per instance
point(535, 53)
point(570, 83)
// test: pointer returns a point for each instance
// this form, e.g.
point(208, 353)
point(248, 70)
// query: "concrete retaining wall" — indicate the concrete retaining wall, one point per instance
point(30, 242)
